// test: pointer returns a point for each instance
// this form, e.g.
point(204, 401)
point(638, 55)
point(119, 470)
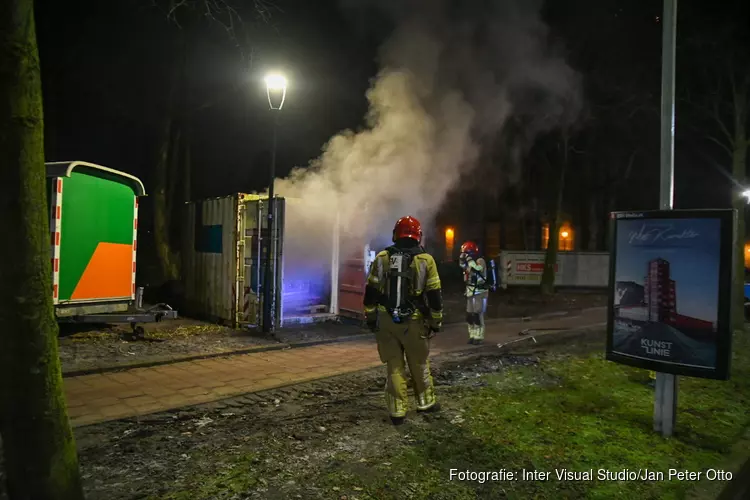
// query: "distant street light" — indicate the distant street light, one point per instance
point(276, 92)
point(746, 195)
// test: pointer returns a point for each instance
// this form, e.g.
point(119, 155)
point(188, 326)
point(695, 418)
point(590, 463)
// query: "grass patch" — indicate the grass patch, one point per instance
point(576, 412)
point(235, 478)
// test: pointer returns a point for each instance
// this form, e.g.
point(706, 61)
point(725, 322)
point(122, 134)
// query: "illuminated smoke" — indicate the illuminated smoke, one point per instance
point(451, 76)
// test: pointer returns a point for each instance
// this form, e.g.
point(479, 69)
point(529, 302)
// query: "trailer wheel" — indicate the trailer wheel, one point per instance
point(139, 333)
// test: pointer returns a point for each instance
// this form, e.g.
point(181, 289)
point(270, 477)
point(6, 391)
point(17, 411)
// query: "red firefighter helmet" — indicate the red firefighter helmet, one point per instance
point(470, 248)
point(407, 227)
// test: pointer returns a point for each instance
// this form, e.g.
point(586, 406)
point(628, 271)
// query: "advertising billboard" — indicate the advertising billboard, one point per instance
point(670, 294)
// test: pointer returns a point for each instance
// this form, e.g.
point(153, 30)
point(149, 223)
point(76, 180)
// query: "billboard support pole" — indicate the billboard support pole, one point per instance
point(665, 394)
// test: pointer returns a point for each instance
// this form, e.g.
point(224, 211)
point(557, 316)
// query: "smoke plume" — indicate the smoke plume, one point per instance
point(452, 74)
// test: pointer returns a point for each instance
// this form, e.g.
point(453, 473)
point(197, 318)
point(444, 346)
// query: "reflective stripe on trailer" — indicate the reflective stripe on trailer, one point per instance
point(135, 245)
point(56, 236)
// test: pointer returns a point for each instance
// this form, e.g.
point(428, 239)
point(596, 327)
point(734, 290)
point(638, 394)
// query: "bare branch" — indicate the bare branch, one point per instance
point(716, 115)
point(172, 13)
point(721, 144)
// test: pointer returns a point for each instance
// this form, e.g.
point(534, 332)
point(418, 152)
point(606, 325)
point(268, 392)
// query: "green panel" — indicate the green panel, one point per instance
point(95, 210)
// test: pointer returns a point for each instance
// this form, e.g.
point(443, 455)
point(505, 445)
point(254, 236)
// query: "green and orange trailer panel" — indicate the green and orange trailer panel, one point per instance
point(94, 238)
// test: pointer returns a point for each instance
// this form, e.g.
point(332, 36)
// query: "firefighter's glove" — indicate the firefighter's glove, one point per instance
point(435, 323)
point(431, 329)
point(372, 324)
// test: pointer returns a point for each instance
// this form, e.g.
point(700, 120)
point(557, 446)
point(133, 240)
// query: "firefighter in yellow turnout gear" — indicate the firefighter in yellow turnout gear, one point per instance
point(476, 291)
point(404, 307)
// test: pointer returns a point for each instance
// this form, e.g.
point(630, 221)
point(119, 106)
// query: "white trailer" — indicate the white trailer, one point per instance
point(573, 269)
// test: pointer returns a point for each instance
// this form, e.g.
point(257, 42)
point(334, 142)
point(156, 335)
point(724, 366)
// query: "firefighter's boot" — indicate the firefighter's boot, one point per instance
point(479, 332)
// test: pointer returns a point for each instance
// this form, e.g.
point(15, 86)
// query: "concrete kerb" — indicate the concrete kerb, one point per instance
point(293, 345)
point(480, 349)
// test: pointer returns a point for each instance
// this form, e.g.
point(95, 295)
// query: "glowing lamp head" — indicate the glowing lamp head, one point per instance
point(449, 232)
point(275, 81)
point(565, 234)
point(275, 90)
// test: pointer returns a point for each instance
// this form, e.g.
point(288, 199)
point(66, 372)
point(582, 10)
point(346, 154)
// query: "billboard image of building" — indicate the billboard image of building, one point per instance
point(666, 291)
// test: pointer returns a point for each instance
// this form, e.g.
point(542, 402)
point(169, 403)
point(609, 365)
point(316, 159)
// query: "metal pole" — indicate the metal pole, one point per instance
point(665, 394)
point(268, 320)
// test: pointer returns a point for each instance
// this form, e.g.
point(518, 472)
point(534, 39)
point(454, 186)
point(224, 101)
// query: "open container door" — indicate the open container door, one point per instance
point(352, 280)
point(253, 254)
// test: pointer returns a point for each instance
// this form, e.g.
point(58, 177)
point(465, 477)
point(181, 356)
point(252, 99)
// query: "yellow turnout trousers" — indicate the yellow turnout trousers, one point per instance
point(476, 307)
point(397, 341)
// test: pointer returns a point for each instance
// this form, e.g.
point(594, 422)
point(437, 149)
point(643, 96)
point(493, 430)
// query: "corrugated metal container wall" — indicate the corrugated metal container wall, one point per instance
point(211, 263)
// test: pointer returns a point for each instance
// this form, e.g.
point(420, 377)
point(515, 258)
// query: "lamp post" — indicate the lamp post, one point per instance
point(276, 92)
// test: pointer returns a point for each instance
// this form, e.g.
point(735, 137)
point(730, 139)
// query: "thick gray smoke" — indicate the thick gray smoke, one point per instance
point(451, 76)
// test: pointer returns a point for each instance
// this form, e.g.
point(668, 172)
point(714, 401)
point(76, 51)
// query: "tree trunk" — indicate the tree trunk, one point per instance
point(185, 197)
point(593, 224)
point(167, 265)
point(550, 256)
point(739, 172)
point(38, 446)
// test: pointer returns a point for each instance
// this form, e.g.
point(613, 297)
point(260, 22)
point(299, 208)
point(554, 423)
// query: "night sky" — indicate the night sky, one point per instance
point(105, 77)
point(105, 81)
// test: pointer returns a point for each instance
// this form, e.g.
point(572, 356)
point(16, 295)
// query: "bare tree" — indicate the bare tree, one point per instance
point(547, 285)
point(718, 95)
point(38, 445)
point(238, 19)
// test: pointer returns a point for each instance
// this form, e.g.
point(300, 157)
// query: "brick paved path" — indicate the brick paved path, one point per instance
point(140, 391)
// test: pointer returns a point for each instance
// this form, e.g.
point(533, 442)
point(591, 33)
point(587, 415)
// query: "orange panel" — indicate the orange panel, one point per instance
point(109, 273)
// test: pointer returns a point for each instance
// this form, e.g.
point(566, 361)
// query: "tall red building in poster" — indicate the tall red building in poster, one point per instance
point(659, 292)
point(660, 297)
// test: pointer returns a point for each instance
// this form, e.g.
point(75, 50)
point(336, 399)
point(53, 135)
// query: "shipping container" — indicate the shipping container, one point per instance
point(573, 269)
point(93, 225)
point(225, 260)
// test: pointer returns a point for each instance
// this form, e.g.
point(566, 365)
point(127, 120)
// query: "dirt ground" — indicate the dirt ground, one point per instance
point(326, 439)
point(94, 347)
point(105, 346)
point(294, 433)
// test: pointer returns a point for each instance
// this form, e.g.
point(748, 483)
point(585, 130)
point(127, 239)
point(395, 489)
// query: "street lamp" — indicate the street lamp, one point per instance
point(275, 85)
point(276, 92)
point(746, 195)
